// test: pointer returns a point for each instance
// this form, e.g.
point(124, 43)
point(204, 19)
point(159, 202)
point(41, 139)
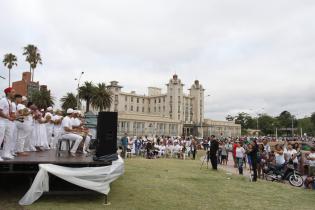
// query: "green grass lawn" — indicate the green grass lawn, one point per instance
point(177, 184)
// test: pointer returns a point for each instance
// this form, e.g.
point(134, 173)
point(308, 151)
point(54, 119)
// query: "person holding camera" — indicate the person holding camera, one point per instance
point(214, 146)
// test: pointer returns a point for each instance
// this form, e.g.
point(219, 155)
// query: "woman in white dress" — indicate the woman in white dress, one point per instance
point(40, 140)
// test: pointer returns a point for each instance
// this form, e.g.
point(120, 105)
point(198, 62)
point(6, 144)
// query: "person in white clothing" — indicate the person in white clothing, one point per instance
point(77, 124)
point(57, 129)
point(22, 130)
point(291, 155)
point(13, 135)
point(49, 117)
point(6, 118)
point(240, 154)
point(68, 132)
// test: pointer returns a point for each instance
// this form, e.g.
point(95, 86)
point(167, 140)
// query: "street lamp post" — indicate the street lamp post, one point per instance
point(78, 99)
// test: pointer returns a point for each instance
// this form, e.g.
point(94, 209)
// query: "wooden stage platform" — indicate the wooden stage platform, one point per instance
point(29, 164)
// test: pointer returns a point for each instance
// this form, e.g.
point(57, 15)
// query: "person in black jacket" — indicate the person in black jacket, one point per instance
point(252, 152)
point(213, 152)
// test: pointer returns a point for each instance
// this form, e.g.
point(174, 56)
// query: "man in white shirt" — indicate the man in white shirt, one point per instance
point(77, 123)
point(6, 118)
point(68, 132)
point(291, 154)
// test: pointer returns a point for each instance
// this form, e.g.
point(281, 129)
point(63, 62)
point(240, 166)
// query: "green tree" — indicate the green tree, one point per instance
point(9, 61)
point(244, 119)
point(68, 101)
point(102, 97)
point(86, 92)
point(285, 120)
point(42, 99)
point(313, 119)
point(33, 57)
point(307, 126)
point(266, 124)
point(229, 118)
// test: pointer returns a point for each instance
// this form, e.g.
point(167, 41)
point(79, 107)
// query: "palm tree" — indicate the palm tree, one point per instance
point(32, 57)
point(42, 99)
point(9, 61)
point(86, 92)
point(102, 97)
point(68, 101)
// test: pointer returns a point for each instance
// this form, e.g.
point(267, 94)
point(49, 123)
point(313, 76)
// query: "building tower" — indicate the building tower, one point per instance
point(197, 92)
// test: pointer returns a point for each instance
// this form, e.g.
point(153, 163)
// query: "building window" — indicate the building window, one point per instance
point(131, 99)
point(126, 98)
point(149, 109)
point(137, 100)
point(131, 108)
point(149, 101)
point(115, 108)
point(142, 109)
point(163, 108)
point(159, 109)
point(143, 100)
point(116, 97)
point(137, 109)
point(126, 108)
point(163, 99)
point(171, 99)
point(159, 100)
point(178, 117)
point(154, 109)
point(155, 101)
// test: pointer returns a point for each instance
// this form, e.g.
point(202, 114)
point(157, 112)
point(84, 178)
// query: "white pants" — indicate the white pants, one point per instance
point(13, 137)
point(73, 137)
point(24, 133)
point(49, 128)
point(5, 136)
point(86, 143)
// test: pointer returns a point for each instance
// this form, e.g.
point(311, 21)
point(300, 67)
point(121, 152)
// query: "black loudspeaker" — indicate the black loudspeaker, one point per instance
point(106, 142)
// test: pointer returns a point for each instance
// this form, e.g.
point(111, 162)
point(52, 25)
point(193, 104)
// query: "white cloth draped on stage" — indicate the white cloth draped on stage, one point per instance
point(93, 178)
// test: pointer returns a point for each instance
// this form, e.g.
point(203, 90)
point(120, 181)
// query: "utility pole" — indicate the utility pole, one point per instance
point(78, 98)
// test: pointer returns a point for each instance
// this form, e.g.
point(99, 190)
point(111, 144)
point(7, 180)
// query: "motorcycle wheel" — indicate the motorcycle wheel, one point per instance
point(295, 180)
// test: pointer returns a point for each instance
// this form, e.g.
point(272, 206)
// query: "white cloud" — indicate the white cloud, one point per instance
point(247, 54)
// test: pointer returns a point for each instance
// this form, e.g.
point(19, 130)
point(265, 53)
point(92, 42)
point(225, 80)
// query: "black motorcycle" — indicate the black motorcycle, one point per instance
point(285, 172)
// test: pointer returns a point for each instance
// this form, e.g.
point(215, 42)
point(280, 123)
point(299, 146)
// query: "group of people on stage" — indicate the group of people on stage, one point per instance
point(25, 128)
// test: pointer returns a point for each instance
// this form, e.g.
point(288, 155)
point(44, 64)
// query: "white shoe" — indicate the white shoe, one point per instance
point(84, 152)
point(1, 159)
point(73, 154)
point(7, 158)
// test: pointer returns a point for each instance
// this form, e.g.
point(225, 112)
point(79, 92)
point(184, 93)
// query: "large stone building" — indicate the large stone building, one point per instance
point(173, 113)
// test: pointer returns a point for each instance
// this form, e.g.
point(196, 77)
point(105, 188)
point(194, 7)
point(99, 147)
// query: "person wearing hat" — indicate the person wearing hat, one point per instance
point(57, 119)
point(77, 124)
point(21, 131)
point(69, 133)
point(49, 117)
point(6, 119)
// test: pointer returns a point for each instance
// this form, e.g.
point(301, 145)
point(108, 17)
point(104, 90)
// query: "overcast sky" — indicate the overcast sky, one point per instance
point(248, 54)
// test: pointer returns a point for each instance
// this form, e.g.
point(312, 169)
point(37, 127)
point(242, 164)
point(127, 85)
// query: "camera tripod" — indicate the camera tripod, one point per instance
point(206, 158)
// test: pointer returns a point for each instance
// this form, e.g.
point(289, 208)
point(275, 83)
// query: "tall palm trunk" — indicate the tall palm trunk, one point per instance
point(88, 105)
point(33, 75)
point(9, 77)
